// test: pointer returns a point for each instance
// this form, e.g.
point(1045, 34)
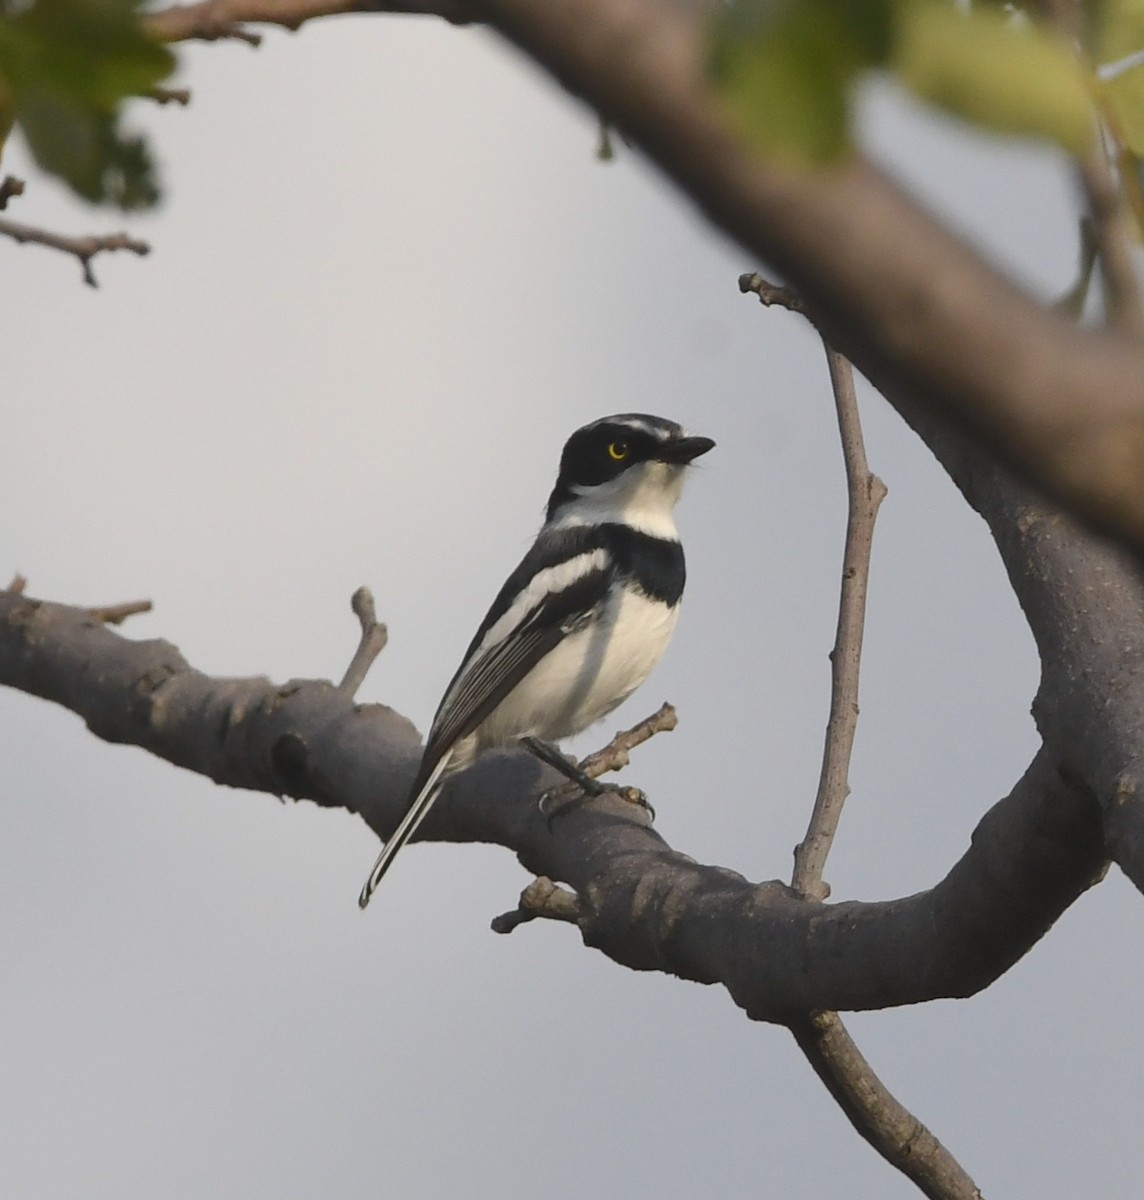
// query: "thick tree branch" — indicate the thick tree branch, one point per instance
point(1084, 600)
point(1062, 404)
point(940, 328)
point(643, 904)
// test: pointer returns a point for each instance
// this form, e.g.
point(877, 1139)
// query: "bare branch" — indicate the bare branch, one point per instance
point(932, 326)
point(643, 904)
point(211, 20)
point(10, 186)
point(772, 293)
point(615, 755)
point(542, 898)
point(84, 248)
point(865, 492)
point(891, 1129)
point(373, 639)
point(168, 95)
point(894, 1132)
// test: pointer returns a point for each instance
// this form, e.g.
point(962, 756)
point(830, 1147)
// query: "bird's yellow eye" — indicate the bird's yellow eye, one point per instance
point(618, 451)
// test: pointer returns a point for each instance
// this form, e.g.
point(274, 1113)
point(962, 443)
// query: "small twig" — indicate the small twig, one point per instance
point(772, 293)
point(84, 248)
point(865, 493)
point(10, 186)
point(168, 95)
point(893, 1131)
point(1106, 195)
point(542, 898)
point(210, 20)
point(116, 614)
point(881, 1119)
point(616, 754)
point(373, 638)
point(17, 586)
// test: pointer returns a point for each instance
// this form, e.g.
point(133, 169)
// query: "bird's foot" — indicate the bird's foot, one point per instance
point(566, 798)
point(569, 796)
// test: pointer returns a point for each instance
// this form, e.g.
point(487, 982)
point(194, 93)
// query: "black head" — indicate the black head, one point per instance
point(607, 448)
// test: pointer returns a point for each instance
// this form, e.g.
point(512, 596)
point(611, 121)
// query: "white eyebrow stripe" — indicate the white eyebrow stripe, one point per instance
point(542, 585)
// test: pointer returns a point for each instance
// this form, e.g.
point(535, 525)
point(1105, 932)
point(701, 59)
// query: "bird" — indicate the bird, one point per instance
point(583, 619)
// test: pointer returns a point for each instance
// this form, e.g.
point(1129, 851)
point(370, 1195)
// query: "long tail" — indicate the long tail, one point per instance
point(417, 813)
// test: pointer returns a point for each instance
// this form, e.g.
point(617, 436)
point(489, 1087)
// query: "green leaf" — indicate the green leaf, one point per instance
point(1005, 73)
point(1119, 30)
point(88, 150)
point(67, 66)
point(785, 69)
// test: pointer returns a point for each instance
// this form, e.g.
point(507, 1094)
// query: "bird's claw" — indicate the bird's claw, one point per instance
point(559, 801)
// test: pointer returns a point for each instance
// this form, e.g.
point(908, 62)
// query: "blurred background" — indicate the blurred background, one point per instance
point(389, 278)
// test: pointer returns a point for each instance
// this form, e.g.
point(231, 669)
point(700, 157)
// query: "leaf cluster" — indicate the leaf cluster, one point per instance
point(66, 66)
point(787, 68)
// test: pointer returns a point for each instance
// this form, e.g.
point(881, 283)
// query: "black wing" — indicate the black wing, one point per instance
point(486, 677)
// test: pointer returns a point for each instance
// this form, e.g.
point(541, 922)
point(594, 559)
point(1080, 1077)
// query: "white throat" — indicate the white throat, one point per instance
point(643, 497)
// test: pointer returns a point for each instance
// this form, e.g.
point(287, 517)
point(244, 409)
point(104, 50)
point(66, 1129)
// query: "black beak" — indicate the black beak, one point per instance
point(685, 450)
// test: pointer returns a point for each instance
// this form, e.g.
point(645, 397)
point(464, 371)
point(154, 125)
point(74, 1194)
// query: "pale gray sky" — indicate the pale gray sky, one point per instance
point(389, 280)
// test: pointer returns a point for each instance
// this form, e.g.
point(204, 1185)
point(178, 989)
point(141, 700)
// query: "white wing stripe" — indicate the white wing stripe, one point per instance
point(544, 583)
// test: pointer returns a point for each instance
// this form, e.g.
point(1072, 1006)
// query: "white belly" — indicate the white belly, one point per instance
point(586, 676)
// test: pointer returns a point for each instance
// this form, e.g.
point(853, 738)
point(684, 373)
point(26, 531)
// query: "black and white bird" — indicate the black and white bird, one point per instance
point(580, 624)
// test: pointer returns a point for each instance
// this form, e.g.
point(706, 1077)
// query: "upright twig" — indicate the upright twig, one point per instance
point(865, 493)
point(871, 1108)
point(616, 754)
point(374, 635)
point(877, 1116)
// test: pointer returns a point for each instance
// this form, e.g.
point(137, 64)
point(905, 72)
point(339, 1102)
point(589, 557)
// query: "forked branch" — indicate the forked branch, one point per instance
point(84, 248)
